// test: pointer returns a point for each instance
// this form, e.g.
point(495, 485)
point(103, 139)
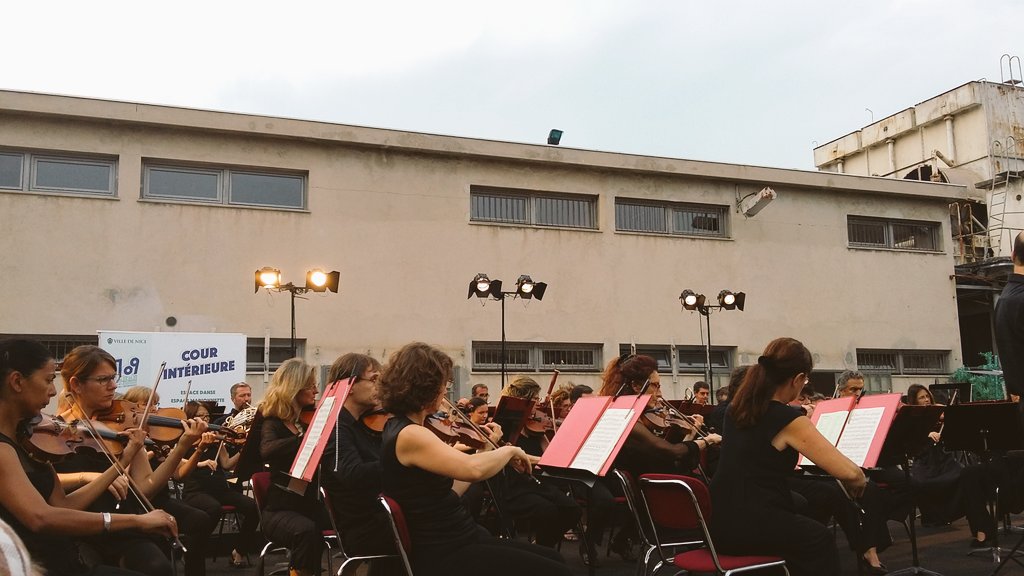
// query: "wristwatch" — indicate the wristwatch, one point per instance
point(106, 521)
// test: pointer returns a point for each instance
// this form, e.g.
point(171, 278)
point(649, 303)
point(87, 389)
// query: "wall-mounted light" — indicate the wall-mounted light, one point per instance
point(554, 137)
point(753, 203)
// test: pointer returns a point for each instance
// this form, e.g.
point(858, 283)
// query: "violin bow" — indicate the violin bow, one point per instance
point(188, 389)
point(551, 401)
point(152, 393)
point(132, 486)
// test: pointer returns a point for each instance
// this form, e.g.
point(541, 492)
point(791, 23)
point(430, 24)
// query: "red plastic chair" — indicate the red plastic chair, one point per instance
point(684, 503)
point(400, 530)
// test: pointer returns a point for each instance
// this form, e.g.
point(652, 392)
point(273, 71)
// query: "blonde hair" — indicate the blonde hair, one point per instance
point(289, 379)
point(138, 395)
point(522, 387)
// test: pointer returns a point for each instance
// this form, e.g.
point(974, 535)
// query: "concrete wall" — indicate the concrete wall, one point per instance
point(394, 219)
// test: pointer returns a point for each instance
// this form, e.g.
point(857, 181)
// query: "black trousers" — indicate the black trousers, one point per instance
point(549, 510)
point(300, 534)
point(132, 551)
point(807, 546)
point(195, 527)
point(210, 502)
point(825, 500)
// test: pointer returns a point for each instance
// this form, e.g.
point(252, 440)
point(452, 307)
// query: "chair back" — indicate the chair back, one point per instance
point(400, 530)
point(260, 482)
point(636, 507)
point(679, 503)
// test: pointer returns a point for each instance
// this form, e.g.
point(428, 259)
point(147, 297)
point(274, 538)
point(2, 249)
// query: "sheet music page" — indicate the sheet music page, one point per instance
point(312, 436)
point(860, 431)
point(831, 426)
point(602, 440)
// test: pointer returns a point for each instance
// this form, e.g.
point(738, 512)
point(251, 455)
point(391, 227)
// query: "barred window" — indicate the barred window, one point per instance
point(866, 232)
point(256, 359)
point(58, 344)
point(903, 362)
point(58, 173)
point(532, 208)
point(684, 219)
point(537, 357)
point(689, 359)
point(224, 185)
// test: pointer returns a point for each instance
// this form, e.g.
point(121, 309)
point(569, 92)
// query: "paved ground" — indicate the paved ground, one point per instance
point(943, 550)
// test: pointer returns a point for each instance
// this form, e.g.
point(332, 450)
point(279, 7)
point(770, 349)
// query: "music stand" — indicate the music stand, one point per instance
point(908, 436)
point(984, 427)
point(511, 414)
point(950, 391)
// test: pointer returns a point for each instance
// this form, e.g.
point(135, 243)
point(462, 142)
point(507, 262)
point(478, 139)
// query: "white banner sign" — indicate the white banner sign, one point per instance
point(213, 362)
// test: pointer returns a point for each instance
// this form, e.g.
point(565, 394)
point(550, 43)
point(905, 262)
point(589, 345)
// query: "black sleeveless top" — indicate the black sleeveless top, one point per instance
point(751, 473)
point(58, 554)
point(438, 523)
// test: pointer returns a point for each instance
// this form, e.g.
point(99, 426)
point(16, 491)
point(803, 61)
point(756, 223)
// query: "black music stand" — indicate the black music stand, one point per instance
point(511, 414)
point(951, 392)
point(984, 427)
point(907, 436)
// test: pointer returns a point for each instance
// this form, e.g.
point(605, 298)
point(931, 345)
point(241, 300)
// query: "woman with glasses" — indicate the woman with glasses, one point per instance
point(90, 383)
point(426, 476)
point(206, 486)
point(292, 520)
point(32, 500)
point(754, 510)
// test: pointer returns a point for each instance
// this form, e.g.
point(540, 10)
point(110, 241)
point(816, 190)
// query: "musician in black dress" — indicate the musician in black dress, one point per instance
point(32, 501)
point(425, 476)
point(754, 513)
point(293, 520)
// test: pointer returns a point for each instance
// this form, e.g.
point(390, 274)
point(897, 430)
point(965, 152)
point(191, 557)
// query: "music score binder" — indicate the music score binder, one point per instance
point(592, 435)
point(856, 428)
point(314, 440)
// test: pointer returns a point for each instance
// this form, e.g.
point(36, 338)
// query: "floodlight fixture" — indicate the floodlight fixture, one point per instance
point(319, 281)
point(527, 289)
point(267, 277)
point(483, 287)
point(730, 300)
point(554, 137)
point(691, 300)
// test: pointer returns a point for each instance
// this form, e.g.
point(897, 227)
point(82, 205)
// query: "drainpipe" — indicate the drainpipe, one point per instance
point(892, 156)
point(950, 145)
point(839, 166)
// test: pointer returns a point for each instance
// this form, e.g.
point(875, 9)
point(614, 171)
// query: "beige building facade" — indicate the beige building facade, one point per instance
point(123, 216)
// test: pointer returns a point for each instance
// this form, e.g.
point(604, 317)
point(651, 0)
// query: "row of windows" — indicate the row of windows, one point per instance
point(33, 172)
point(545, 209)
point(903, 362)
point(545, 357)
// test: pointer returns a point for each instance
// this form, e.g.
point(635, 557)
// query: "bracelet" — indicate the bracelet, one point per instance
point(106, 522)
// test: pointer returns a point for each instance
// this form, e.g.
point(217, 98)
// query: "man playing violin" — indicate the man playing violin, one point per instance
point(31, 498)
point(350, 466)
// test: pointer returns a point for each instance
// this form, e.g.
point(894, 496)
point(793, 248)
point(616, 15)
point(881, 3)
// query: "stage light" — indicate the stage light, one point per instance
point(730, 300)
point(480, 286)
point(319, 281)
point(528, 289)
point(691, 300)
point(267, 277)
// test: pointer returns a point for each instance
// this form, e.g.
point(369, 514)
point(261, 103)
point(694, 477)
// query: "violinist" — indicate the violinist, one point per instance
point(476, 409)
point(206, 486)
point(551, 512)
point(425, 477)
point(350, 466)
point(765, 437)
point(288, 518)
point(196, 524)
point(31, 499)
point(90, 380)
point(701, 392)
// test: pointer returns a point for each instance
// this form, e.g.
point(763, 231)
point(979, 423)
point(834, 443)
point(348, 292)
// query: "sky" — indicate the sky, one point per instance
point(748, 82)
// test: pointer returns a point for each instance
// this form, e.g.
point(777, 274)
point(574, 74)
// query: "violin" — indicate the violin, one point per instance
point(543, 419)
point(164, 425)
point(375, 419)
point(452, 432)
point(668, 423)
point(307, 414)
point(49, 439)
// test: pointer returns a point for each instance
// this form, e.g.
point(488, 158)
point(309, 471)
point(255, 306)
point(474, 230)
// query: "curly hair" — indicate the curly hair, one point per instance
point(783, 359)
point(632, 370)
point(352, 365)
point(415, 376)
point(289, 379)
point(82, 361)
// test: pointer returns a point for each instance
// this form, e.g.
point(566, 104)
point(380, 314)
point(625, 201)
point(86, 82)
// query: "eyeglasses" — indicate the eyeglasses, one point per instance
point(115, 378)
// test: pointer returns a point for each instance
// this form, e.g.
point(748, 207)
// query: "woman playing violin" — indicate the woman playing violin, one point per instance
point(206, 486)
point(477, 410)
point(90, 382)
point(765, 438)
point(31, 498)
point(425, 476)
point(288, 518)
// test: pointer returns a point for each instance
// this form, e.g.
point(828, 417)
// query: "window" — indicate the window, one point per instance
point(58, 344)
point(893, 234)
point(51, 173)
point(531, 208)
point(533, 357)
point(280, 350)
point(902, 362)
point(689, 359)
point(232, 186)
point(674, 218)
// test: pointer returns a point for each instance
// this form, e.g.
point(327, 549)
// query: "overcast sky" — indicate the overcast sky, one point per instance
point(750, 82)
